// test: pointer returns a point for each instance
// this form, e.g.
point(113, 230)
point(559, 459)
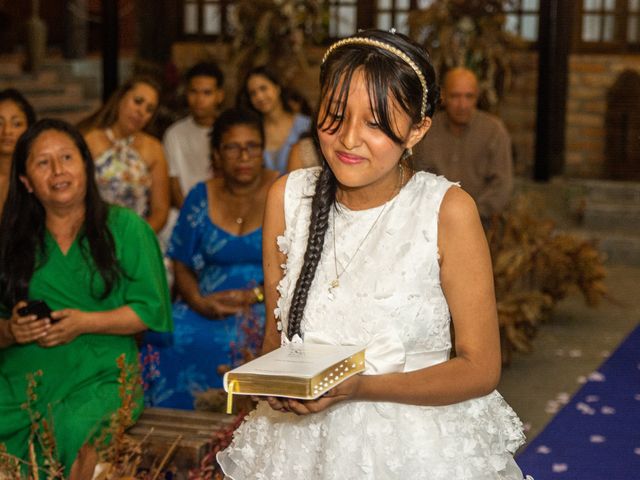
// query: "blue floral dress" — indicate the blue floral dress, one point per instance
point(189, 360)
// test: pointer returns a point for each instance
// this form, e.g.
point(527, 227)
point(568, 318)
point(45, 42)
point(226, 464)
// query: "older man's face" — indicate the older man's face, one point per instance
point(460, 95)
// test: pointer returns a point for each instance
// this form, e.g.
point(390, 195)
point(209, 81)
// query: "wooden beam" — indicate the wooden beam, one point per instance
point(109, 48)
point(554, 39)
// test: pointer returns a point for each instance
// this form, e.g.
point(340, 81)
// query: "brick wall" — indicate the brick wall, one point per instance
point(518, 110)
point(590, 78)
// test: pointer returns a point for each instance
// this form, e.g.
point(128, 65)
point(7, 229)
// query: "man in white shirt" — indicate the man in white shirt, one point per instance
point(186, 142)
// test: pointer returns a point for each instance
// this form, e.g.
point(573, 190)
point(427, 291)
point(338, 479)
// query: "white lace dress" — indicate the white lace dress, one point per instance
point(391, 301)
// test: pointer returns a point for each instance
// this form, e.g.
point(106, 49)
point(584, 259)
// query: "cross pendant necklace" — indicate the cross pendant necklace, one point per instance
point(335, 283)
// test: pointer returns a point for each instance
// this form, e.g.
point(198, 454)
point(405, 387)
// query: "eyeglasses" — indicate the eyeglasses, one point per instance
point(233, 151)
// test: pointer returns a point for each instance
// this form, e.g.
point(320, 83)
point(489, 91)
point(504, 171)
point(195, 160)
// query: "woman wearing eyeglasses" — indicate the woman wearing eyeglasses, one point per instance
point(216, 248)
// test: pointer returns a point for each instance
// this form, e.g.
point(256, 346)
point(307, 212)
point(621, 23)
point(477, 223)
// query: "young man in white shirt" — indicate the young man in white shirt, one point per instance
point(186, 142)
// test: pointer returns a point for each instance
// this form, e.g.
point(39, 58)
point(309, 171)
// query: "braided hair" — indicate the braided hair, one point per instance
point(387, 75)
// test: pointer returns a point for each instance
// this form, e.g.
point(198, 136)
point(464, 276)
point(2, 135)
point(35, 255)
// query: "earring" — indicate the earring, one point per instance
point(409, 152)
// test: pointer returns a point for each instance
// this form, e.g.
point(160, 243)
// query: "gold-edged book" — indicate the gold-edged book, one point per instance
point(296, 370)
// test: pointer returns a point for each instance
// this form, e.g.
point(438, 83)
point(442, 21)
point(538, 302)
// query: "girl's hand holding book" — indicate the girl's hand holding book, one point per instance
point(346, 390)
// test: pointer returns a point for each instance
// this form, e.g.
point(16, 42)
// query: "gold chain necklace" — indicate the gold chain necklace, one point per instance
point(335, 283)
point(248, 207)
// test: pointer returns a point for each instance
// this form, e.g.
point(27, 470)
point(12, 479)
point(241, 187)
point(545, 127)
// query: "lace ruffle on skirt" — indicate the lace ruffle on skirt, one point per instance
point(474, 439)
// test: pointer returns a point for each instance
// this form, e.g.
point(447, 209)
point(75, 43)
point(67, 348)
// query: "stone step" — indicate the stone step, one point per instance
point(611, 216)
point(619, 248)
point(58, 109)
point(41, 79)
point(9, 67)
point(66, 99)
point(12, 65)
point(36, 91)
point(606, 191)
point(603, 211)
point(70, 113)
point(54, 75)
point(72, 117)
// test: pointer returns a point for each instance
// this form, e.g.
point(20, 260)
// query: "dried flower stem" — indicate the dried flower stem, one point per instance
point(166, 457)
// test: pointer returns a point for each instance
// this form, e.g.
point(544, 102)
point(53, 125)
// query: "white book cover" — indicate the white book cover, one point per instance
point(320, 367)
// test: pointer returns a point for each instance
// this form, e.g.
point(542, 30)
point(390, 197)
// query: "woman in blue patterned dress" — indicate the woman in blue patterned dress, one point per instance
point(216, 248)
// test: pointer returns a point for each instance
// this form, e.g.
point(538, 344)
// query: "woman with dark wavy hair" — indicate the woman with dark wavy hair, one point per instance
point(378, 255)
point(263, 92)
point(99, 270)
point(16, 115)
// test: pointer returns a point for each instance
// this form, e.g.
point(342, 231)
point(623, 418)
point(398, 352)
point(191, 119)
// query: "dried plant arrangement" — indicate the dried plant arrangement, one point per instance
point(40, 437)
point(274, 32)
point(119, 455)
point(9, 465)
point(208, 468)
point(535, 267)
point(468, 33)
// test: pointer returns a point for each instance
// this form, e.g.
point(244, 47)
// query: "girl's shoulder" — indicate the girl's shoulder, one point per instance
point(453, 207)
point(302, 182)
point(430, 183)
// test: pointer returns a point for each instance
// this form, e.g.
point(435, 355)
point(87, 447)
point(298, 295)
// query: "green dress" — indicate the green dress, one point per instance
point(79, 384)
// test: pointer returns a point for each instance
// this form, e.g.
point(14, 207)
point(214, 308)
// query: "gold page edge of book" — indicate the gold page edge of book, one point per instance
point(253, 384)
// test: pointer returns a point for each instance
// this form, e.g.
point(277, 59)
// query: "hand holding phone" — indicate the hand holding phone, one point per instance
point(38, 308)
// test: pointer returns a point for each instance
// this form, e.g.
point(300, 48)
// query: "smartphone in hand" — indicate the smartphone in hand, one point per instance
point(38, 308)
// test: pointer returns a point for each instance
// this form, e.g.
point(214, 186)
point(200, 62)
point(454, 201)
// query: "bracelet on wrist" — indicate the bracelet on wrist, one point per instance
point(257, 291)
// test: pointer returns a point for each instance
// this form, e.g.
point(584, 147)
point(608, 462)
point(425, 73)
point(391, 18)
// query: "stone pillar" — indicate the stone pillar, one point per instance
point(554, 40)
point(156, 32)
point(76, 39)
point(109, 48)
point(36, 38)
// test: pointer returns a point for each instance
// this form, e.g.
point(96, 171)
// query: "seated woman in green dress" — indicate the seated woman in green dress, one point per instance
point(99, 269)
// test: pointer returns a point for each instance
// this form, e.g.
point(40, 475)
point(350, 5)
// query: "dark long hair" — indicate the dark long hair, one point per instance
point(387, 76)
point(243, 100)
point(23, 223)
point(13, 95)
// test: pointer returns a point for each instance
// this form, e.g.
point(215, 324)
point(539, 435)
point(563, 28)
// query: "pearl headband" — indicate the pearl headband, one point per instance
point(390, 48)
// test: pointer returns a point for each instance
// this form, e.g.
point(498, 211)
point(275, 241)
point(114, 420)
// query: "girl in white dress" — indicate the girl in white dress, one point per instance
point(366, 251)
